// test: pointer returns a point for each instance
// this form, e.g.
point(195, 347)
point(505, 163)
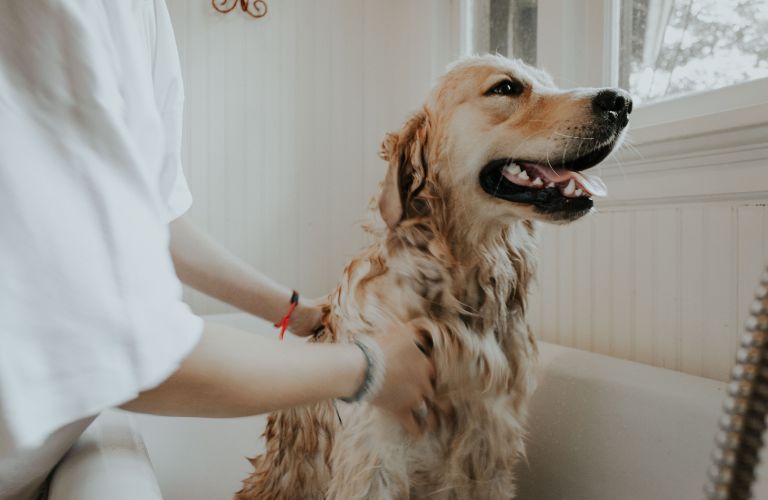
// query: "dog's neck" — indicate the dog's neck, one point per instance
point(489, 265)
point(496, 264)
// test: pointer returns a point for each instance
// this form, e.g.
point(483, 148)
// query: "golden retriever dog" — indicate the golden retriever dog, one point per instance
point(495, 148)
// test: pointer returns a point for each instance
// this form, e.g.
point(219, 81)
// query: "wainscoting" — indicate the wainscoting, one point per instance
point(664, 271)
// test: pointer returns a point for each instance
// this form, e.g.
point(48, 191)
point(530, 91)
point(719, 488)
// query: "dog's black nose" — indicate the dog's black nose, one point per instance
point(614, 100)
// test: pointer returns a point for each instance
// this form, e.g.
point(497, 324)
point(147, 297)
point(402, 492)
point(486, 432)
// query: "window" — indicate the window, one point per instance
point(507, 27)
point(672, 47)
point(699, 64)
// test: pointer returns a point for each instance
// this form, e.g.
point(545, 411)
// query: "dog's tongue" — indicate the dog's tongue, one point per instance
point(591, 183)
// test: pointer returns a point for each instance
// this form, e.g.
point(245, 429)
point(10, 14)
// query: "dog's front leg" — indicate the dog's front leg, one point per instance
point(295, 464)
point(369, 460)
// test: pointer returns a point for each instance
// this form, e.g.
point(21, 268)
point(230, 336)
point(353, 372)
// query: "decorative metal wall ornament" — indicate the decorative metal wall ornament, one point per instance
point(254, 8)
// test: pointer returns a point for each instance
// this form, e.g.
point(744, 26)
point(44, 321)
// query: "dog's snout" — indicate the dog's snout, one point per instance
point(614, 100)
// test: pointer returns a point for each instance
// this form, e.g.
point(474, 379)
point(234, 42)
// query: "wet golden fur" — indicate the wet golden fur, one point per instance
point(458, 261)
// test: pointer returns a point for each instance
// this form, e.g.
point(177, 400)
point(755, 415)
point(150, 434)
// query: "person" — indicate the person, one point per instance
point(94, 244)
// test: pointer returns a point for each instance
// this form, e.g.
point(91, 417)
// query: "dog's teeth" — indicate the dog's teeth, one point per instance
point(523, 175)
point(512, 169)
point(570, 188)
point(551, 185)
point(578, 193)
point(538, 182)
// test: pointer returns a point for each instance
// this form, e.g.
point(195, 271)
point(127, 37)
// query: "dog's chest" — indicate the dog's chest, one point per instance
point(483, 355)
point(481, 333)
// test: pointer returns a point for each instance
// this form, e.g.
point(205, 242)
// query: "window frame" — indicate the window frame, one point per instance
point(586, 53)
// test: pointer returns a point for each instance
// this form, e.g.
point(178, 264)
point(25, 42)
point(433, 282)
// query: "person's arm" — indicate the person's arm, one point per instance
point(231, 373)
point(206, 266)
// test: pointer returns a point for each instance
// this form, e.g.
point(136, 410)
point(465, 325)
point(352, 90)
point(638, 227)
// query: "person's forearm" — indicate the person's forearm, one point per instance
point(206, 266)
point(231, 373)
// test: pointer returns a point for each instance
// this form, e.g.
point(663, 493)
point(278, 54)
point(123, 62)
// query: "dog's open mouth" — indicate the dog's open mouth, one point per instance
point(549, 188)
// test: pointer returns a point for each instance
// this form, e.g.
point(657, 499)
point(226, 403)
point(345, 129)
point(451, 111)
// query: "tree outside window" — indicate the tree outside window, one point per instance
point(673, 47)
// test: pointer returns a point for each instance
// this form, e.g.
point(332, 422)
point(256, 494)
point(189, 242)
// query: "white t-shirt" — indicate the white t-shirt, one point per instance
point(90, 175)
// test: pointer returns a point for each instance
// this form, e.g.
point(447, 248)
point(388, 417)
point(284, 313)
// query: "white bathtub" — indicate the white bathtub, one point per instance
point(600, 429)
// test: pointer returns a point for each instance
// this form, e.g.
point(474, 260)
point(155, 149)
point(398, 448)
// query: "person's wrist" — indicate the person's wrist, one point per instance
point(307, 317)
point(304, 312)
point(373, 376)
point(357, 363)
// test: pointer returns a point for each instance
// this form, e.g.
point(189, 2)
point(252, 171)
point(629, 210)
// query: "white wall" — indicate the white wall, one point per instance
point(665, 271)
point(284, 116)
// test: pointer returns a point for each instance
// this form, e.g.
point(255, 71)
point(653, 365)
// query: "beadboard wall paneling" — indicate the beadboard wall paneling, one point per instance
point(283, 121)
point(664, 271)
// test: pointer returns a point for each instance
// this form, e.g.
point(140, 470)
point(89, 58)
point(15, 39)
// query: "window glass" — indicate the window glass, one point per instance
point(507, 27)
point(673, 47)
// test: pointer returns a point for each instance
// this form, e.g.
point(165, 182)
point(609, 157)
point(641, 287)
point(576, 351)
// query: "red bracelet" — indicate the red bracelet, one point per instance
point(283, 323)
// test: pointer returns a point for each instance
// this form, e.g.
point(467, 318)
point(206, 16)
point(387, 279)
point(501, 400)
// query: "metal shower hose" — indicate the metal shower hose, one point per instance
point(743, 423)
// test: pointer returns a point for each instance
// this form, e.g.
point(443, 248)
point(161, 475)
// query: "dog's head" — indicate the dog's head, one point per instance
point(500, 140)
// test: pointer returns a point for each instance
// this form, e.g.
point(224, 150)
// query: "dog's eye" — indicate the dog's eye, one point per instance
point(507, 87)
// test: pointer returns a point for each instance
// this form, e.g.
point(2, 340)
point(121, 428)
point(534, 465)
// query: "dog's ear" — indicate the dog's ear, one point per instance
point(406, 152)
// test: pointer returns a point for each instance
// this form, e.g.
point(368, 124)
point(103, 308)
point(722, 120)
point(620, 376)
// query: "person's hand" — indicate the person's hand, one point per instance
point(409, 376)
point(306, 319)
